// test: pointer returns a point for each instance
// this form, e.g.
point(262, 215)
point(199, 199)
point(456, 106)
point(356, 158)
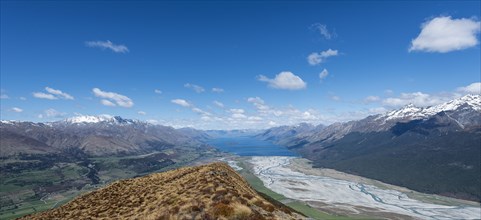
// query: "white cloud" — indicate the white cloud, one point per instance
point(238, 116)
point(317, 58)
point(200, 111)
point(59, 93)
point(153, 121)
point(335, 98)
point(417, 98)
point(22, 98)
point(181, 102)
point(196, 88)
point(114, 98)
point(51, 113)
point(218, 104)
point(41, 95)
point(107, 103)
point(322, 29)
point(4, 96)
point(117, 48)
point(371, 99)
point(141, 113)
point(157, 91)
point(473, 88)
point(284, 80)
point(254, 118)
point(377, 110)
point(217, 90)
point(16, 109)
point(237, 111)
point(258, 103)
point(444, 34)
point(255, 100)
point(323, 74)
point(52, 94)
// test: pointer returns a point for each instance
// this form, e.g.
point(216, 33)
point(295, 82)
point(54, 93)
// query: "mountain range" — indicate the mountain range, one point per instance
point(434, 149)
point(93, 135)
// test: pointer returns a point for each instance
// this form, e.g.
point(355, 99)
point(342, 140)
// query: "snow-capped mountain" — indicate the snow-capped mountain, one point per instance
point(90, 119)
point(412, 112)
point(464, 111)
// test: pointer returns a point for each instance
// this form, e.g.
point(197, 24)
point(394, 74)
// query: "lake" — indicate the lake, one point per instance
point(250, 146)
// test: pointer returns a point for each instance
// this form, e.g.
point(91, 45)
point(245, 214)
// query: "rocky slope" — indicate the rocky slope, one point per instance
point(213, 191)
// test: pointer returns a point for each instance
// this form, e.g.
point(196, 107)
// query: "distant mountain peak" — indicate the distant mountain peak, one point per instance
point(410, 105)
point(410, 111)
point(89, 119)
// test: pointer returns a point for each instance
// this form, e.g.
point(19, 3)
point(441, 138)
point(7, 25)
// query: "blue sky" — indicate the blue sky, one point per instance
point(109, 57)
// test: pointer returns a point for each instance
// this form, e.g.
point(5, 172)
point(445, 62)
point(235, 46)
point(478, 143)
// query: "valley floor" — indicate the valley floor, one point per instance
point(343, 194)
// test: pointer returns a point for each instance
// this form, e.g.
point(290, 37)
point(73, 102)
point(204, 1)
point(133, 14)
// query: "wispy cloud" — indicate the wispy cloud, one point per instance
point(117, 48)
point(217, 90)
point(237, 113)
point(284, 80)
point(52, 94)
point(41, 95)
point(184, 103)
point(141, 113)
point(417, 98)
point(317, 58)
point(371, 99)
point(157, 91)
point(258, 103)
point(181, 102)
point(335, 98)
point(473, 88)
point(196, 88)
point(52, 113)
point(218, 104)
point(323, 74)
point(59, 93)
point(113, 99)
point(323, 31)
point(3, 95)
point(107, 103)
point(444, 34)
point(16, 109)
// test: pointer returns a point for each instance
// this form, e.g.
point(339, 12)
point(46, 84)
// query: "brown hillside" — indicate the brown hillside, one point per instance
point(213, 191)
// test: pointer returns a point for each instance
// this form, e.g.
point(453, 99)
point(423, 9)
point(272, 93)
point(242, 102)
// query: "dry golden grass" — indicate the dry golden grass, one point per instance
point(212, 191)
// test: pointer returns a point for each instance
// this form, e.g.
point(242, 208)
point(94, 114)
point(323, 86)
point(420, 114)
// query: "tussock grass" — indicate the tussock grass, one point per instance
point(212, 191)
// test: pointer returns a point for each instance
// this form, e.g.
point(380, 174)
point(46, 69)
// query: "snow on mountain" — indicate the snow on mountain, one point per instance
point(89, 119)
point(10, 122)
point(412, 112)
